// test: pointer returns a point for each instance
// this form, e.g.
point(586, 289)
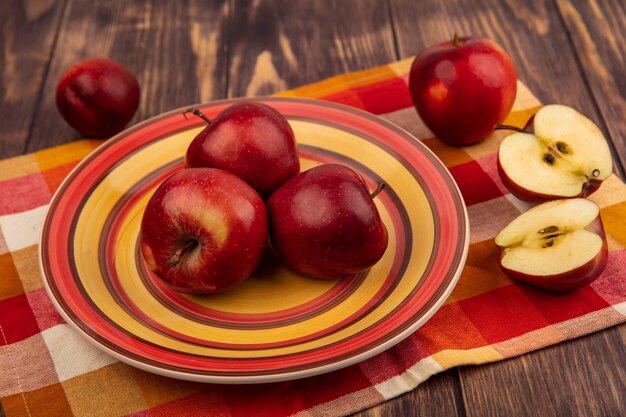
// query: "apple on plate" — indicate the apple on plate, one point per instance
point(324, 223)
point(560, 154)
point(204, 230)
point(559, 245)
point(462, 88)
point(97, 97)
point(251, 140)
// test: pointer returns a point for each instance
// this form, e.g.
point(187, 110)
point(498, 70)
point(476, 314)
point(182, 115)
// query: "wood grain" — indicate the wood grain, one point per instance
point(175, 49)
point(277, 45)
point(27, 34)
point(432, 398)
point(592, 384)
point(597, 31)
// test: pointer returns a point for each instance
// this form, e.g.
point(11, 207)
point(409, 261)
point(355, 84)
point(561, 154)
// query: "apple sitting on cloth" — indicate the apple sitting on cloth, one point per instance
point(204, 230)
point(462, 88)
point(559, 245)
point(560, 154)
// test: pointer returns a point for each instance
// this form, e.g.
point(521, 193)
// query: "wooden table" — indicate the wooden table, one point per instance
point(189, 51)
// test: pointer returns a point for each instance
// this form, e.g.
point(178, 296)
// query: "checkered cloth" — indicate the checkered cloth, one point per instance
point(46, 369)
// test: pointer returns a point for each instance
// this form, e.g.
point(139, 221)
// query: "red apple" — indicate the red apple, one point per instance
point(324, 223)
point(562, 154)
point(204, 230)
point(97, 97)
point(462, 88)
point(251, 140)
point(559, 245)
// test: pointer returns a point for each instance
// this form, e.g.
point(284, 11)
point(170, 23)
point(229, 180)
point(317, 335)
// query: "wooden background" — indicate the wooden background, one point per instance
point(184, 52)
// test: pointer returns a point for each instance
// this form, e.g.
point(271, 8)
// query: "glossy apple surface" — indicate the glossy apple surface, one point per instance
point(563, 154)
point(204, 230)
point(462, 88)
point(251, 140)
point(559, 245)
point(97, 97)
point(324, 223)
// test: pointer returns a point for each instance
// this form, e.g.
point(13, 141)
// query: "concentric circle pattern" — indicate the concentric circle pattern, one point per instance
point(277, 325)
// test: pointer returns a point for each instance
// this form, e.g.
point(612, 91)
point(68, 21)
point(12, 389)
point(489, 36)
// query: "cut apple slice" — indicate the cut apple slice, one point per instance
point(566, 156)
point(559, 245)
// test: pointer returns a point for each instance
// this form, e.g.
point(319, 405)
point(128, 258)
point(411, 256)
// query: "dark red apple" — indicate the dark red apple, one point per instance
point(562, 154)
point(324, 223)
point(251, 140)
point(97, 97)
point(559, 245)
point(462, 88)
point(204, 230)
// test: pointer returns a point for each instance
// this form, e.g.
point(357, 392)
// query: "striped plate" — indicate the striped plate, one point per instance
point(277, 325)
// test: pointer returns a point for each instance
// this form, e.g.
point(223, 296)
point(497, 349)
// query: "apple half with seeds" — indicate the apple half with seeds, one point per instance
point(561, 154)
point(559, 245)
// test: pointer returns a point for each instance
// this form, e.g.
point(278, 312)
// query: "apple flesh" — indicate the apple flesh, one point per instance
point(324, 223)
point(204, 230)
point(559, 245)
point(97, 97)
point(251, 140)
point(564, 156)
point(462, 88)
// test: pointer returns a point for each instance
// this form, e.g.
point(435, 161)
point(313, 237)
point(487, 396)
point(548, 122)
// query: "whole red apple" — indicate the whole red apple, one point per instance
point(559, 245)
point(462, 88)
point(324, 223)
point(251, 140)
point(204, 230)
point(97, 97)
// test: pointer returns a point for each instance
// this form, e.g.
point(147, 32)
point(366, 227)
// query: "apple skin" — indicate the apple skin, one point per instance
point(224, 215)
point(251, 140)
point(324, 223)
point(97, 97)
point(461, 92)
point(533, 197)
point(570, 280)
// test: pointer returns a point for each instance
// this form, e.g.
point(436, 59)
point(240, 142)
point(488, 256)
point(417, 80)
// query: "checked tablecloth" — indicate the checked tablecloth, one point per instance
point(46, 369)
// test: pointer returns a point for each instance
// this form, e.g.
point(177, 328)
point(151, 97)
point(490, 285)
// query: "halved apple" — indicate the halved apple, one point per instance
point(559, 245)
point(563, 155)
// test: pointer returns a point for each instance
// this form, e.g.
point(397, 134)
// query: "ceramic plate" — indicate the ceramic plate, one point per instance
point(277, 325)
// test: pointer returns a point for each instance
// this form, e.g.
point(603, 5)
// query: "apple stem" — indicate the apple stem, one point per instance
point(190, 244)
point(509, 127)
point(197, 113)
point(378, 189)
point(455, 40)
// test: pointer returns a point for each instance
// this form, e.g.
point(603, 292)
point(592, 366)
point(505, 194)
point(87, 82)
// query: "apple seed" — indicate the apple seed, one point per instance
point(562, 147)
point(549, 158)
point(550, 229)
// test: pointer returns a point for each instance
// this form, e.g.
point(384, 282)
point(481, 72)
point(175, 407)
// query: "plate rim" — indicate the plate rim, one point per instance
point(272, 377)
